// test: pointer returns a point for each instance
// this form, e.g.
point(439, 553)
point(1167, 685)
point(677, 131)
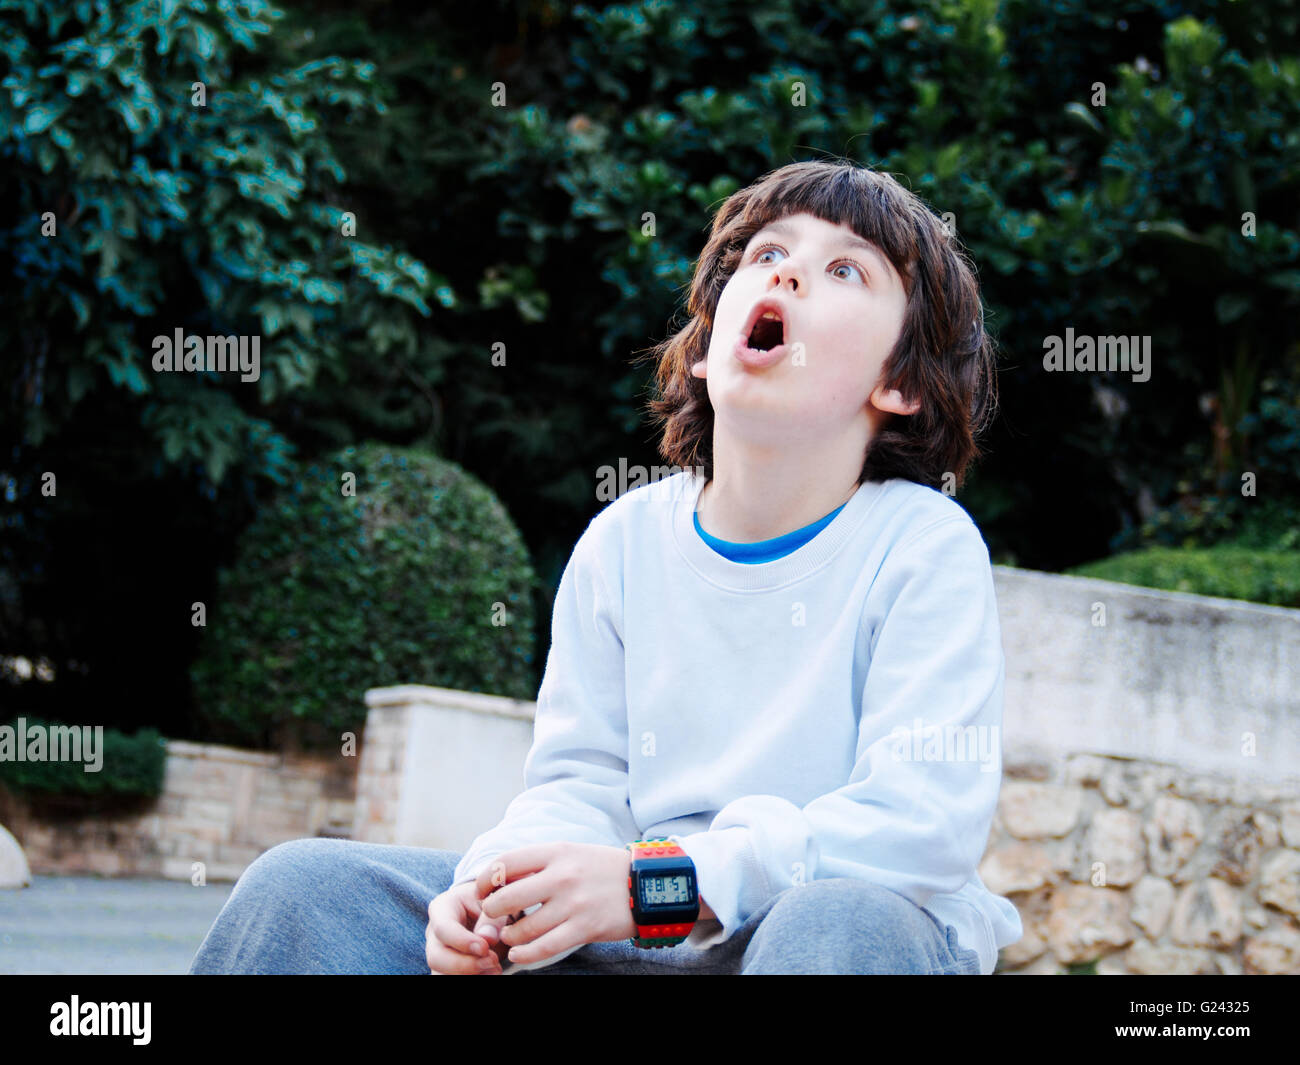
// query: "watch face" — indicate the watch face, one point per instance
point(670, 890)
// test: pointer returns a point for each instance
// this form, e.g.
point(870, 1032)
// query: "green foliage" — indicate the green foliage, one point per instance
point(132, 766)
point(630, 124)
point(561, 227)
point(1256, 507)
point(135, 208)
point(217, 214)
point(331, 594)
point(1227, 571)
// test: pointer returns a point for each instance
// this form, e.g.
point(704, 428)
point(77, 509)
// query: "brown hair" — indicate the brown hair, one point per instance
point(942, 357)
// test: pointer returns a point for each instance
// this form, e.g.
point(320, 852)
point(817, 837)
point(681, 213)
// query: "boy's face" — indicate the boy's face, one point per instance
point(842, 307)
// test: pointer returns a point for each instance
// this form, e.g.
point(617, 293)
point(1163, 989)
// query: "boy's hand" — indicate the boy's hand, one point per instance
point(449, 945)
point(582, 888)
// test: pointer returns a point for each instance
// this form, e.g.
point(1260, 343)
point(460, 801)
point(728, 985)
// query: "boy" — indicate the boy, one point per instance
point(785, 663)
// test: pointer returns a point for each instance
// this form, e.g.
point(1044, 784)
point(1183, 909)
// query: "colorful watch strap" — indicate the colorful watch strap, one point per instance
point(657, 935)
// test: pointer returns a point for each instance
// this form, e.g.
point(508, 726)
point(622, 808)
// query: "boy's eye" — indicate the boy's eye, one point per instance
point(763, 249)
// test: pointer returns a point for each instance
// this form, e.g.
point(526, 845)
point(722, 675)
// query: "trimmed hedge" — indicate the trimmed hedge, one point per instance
point(419, 578)
point(1227, 570)
point(131, 766)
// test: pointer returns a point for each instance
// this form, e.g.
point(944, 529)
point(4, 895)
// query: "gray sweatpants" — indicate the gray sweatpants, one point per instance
point(340, 906)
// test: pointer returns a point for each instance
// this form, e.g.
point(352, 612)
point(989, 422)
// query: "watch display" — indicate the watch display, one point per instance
point(665, 890)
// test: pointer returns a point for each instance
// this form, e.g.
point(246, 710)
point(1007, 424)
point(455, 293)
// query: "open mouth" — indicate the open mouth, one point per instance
point(765, 327)
point(768, 332)
point(763, 340)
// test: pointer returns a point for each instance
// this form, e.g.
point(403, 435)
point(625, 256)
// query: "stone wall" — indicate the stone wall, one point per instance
point(1149, 820)
point(1127, 866)
point(220, 806)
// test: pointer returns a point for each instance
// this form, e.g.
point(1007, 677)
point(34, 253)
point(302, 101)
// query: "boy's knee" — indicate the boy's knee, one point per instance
point(298, 851)
point(839, 905)
point(841, 925)
point(317, 866)
point(292, 860)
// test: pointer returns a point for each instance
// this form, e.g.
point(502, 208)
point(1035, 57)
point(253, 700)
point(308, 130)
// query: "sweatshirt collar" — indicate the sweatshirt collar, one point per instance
point(763, 576)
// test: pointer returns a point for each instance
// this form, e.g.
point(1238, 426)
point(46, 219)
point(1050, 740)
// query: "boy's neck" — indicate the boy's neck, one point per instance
point(747, 504)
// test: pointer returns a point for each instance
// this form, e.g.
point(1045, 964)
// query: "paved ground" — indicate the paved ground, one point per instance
point(87, 925)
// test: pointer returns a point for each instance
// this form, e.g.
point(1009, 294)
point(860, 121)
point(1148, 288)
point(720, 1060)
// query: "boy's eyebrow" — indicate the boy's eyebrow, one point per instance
point(788, 230)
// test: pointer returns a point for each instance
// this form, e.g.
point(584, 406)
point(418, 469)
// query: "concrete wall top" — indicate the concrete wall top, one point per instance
point(417, 694)
point(1201, 682)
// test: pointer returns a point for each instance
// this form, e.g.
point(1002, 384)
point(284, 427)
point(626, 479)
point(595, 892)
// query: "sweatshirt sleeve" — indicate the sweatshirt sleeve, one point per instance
point(908, 818)
point(575, 774)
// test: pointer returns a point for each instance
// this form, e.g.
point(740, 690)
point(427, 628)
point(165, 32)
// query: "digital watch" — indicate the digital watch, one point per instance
point(662, 893)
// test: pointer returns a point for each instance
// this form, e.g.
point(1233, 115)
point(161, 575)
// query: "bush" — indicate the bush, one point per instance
point(379, 566)
point(138, 206)
point(1227, 571)
point(1220, 507)
point(132, 766)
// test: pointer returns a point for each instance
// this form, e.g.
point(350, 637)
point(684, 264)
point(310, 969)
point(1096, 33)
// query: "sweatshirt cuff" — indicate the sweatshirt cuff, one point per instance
point(471, 865)
point(728, 878)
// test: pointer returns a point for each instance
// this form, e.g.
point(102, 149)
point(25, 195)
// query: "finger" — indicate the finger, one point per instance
point(445, 957)
point(467, 914)
point(507, 867)
point(535, 924)
point(451, 918)
point(560, 938)
point(445, 961)
point(489, 928)
point(524, 894)
point(459, 938)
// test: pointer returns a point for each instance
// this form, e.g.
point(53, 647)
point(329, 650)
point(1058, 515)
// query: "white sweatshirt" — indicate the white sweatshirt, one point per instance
point(784, 721)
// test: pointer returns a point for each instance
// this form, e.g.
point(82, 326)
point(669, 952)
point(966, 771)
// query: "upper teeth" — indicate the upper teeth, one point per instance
point(769, 314)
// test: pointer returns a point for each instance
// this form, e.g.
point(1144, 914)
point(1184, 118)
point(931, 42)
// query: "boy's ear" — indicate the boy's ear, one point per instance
point(891, 400)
